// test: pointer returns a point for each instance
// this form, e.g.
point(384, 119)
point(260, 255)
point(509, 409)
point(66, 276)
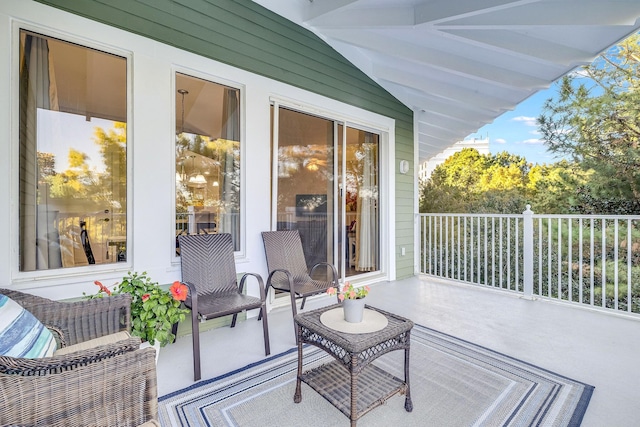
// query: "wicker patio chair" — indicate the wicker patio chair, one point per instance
point(288, 268)
point(209, 271)
point(109, 384)
point(77, 321)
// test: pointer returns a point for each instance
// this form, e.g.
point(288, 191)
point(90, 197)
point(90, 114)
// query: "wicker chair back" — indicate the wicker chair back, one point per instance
point(208, 263)
point(283, 251)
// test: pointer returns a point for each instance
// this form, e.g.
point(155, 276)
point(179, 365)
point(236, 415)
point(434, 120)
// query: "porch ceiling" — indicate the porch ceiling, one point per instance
point(459, 64)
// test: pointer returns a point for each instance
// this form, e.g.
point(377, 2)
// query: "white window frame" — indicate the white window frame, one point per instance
point(176, 68)
point(18, 276)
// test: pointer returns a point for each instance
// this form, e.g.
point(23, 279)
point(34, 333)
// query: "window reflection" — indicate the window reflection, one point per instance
point(207, 158)
point(73, 163)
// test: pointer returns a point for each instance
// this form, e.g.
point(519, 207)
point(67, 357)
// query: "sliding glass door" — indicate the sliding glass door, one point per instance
point(305, 178)
point(326, 186)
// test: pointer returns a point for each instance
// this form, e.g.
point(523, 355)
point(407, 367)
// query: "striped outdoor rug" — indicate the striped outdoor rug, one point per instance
point(453, 383)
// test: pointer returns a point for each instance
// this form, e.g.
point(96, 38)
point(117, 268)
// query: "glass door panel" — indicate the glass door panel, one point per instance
point(362, 217)
point(305, 182)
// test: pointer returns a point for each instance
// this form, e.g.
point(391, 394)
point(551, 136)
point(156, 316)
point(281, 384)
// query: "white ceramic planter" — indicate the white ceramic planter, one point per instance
point(353, 310)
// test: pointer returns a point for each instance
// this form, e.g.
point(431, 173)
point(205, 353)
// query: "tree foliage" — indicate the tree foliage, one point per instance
point(501, 183)
point(595, 119)
point(80, 181)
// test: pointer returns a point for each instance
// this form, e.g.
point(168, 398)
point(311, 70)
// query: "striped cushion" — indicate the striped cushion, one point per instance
point(21, 334)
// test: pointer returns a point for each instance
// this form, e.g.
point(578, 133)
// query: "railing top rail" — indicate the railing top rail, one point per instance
point(471, 215)
point(622, 217)
point(542, 216)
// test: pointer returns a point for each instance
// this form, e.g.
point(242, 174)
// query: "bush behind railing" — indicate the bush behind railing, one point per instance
point(574, 257)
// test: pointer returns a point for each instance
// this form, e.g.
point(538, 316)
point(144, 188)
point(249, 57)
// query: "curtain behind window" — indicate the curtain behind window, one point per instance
point(40, 244)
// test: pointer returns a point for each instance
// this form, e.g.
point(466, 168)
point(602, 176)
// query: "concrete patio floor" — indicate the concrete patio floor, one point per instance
point(587, 345)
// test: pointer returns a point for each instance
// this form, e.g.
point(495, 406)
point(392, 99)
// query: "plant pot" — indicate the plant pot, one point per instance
point(353, 310)
point(156, 346)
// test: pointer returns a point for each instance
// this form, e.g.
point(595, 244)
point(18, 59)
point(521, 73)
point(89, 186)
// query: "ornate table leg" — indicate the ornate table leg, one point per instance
point(408, 405)
point(354, 389)
point(297, 397)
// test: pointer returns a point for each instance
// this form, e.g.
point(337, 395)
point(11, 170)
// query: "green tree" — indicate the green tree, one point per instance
point(470, 182)
point(552, 188)
point(595, 119)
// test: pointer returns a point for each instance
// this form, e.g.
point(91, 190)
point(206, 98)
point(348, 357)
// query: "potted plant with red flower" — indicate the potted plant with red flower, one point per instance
point(153, 309)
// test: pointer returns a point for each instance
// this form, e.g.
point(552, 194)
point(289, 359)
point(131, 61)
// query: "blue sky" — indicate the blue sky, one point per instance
point(516, 131)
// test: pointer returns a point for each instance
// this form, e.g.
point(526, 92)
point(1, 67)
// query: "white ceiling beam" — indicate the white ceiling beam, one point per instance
point(423, 103)
point(443, 132)
point(434, 58)
point(525, 43)
point(551, 13)
point(435, 11)
point(315, 9)
point(383, 17)
point(439, 88)
point(451, 122)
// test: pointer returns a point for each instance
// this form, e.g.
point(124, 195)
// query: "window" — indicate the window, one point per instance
point(73, 155)
point(207, 158)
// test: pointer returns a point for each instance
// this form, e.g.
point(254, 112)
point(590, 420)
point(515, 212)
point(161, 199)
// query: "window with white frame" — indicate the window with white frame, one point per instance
point(72, 155)
point(207, 158)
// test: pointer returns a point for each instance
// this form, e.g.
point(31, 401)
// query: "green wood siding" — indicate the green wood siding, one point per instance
point(247, 36)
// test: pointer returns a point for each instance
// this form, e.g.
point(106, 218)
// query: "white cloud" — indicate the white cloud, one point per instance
point(500, 141)
point(533, 141)
point(528, 121)
point(579, 73)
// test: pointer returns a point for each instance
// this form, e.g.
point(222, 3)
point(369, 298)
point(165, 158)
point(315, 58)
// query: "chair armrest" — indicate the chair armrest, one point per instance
point(288, 275)
point(291, 289)
point(43, 366)
point(116, 390)
point(80, 320)
point(331, 268)
point(260, 284)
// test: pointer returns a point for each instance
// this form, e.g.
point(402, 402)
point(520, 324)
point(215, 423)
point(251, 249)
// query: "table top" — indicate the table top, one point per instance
point(353, 343)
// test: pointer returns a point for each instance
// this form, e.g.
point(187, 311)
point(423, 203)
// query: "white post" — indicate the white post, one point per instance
point(192, 219)
point(527, 252)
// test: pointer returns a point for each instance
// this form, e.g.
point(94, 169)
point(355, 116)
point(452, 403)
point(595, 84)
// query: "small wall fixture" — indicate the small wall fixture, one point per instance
point(404, 166)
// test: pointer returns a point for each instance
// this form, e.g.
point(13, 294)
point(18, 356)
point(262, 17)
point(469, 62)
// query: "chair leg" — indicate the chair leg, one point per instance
point(233, 320)
point(295, 311)
point(265, 330)
point(304, 299)
point(195, 332)
point(266, 295)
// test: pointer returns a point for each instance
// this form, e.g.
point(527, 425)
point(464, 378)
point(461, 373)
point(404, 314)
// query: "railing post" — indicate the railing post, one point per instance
point(527, 252)
point(191, 215)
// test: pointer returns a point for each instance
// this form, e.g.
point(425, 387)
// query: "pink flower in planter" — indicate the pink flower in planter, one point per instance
point(348, 291)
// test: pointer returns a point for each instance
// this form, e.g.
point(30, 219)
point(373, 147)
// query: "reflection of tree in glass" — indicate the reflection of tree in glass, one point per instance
point(219, 160)
point(80, 181)
point(87, 191)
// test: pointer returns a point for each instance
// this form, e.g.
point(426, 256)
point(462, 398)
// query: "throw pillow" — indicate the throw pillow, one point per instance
point(21, 334)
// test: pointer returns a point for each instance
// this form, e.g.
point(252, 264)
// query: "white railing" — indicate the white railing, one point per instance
point(585, 259)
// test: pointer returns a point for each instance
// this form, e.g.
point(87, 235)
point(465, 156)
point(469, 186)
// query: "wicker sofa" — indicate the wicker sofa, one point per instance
point(99, 376)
